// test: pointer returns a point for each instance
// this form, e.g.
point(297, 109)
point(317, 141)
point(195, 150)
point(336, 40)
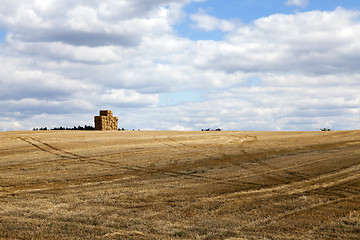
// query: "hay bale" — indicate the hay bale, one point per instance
point(106, 121)
point(106, 113)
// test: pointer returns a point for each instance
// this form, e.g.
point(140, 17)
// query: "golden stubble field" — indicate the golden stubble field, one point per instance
point(179, 185)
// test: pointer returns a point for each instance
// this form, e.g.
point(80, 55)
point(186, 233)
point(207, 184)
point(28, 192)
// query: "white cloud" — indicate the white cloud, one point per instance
point(127, 98)
point(205, 22)
point(90, 23)
point(299, 3)
point(282, 72)
point(257, 108)
point(312, 42)
point(8, 124)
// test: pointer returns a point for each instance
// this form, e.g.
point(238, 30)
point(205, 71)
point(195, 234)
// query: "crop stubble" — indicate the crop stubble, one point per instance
point(189, 185)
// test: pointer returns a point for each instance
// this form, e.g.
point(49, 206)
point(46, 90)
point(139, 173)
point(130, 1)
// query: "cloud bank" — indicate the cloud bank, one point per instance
point(64, 61)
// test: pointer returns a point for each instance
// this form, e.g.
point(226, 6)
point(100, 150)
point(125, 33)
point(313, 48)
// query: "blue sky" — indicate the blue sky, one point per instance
point(249, 10)
point(2, 35)
point(181, 64)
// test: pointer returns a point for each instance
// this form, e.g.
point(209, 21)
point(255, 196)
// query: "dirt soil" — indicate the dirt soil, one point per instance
point(179, 185)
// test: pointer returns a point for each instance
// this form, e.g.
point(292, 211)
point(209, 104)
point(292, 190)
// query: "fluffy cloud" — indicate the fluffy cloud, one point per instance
point(312, 42)
point(206, 22)
point(66, 60)
point(127, 98)
point(257, 108)
point(299, 3)
point(88, 23)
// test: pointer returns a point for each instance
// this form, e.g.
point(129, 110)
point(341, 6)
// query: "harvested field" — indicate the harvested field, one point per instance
point(179, 185)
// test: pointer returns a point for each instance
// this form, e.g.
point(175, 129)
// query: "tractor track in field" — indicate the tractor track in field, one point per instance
point(299, 188)
point(45, 147)
point(341, 176)
point(69, 156)
point(253, 160)
point(83, 223)
point(245, 185)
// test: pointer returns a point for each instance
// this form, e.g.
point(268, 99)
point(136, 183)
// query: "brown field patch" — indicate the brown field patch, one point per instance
point(179, 185)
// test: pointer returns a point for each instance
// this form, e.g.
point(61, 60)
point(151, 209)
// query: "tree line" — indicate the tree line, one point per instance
point(65, 128)
point(86, 128)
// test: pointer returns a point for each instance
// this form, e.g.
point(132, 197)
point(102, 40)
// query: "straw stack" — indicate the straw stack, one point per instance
point(106, 121)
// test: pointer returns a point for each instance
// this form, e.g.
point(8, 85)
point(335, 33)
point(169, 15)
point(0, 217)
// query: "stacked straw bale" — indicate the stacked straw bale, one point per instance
point(106, 121)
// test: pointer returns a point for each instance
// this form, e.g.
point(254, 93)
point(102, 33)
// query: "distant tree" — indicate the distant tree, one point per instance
point(66, 128)
point(325, 129)
point(89, 127)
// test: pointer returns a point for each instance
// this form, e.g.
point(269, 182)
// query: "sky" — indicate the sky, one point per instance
point(282, 65)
